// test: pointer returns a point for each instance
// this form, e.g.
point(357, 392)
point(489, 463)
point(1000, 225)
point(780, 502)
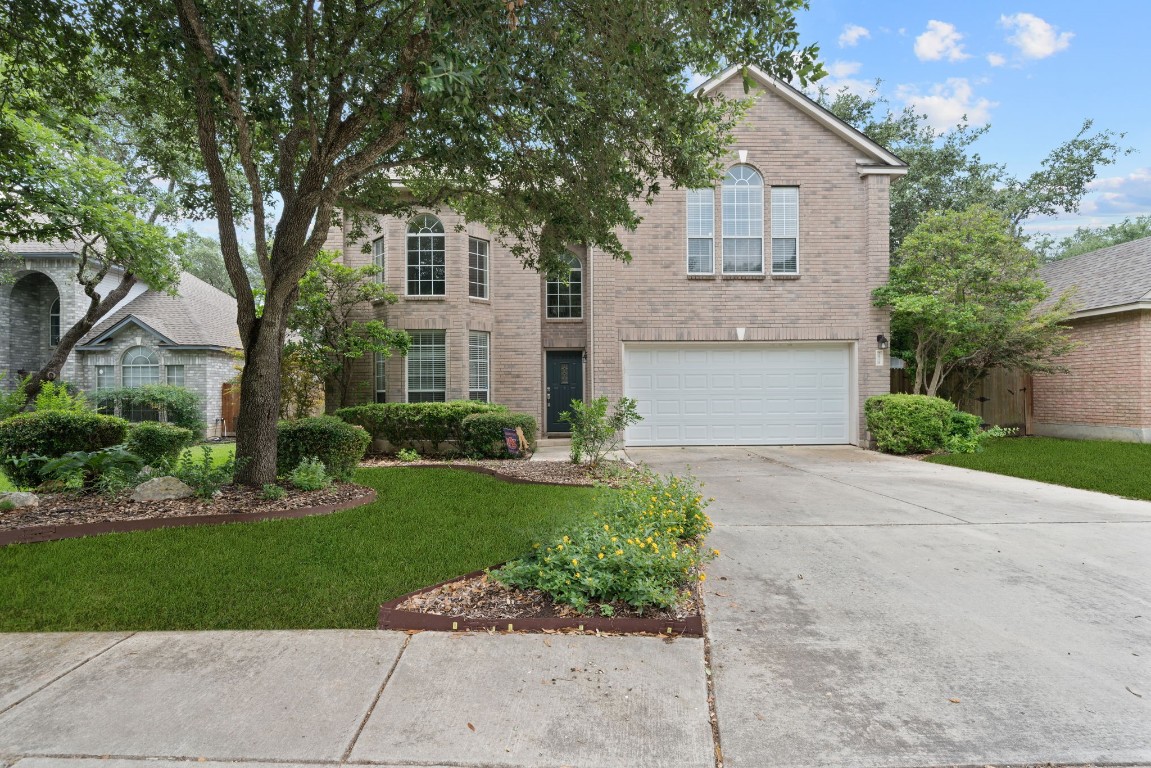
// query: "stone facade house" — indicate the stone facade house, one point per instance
point(1107, 394)
point(744, 316)
point(150, 338)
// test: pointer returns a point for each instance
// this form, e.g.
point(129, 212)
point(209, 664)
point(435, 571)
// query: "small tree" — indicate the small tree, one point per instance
point(964, 292)
point(595, 433)
point(328, 334)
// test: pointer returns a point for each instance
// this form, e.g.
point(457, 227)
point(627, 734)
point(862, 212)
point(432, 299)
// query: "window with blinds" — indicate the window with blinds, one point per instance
point(477, 268)
point(427, 367)
point(743, 221)
point(381, 379)
point(379, 260)
point(785, 230)
point(700, 231)
point(479, 365)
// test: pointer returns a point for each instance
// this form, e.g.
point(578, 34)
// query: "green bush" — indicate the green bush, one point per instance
point(12, 402)
point(272, 492)
point(908, 423)
point(58, 396)
point(966, 433)
point(483, 434)
point(310, 475)
point(204, 475)
point(408, 425)
point(158, 445)
point(52, 434)
point(643, 546)
point(339, 445)
point(180, 406)
point(595, 432)
point(110, 470)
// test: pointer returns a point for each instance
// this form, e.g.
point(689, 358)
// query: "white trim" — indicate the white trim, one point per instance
point(813, 110)
point(881, 170)
point(1132, 307)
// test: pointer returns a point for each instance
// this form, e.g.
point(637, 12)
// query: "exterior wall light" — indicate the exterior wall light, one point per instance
point(881, 341)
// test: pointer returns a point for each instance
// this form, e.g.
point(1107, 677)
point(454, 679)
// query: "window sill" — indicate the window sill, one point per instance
point(744, 277)
point(479, 300)
point(564, 319)
point(426, 298)
point(786, 276)
point(700, 276)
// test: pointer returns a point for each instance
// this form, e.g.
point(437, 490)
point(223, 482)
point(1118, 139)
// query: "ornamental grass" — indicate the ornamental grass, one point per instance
point(643, 546)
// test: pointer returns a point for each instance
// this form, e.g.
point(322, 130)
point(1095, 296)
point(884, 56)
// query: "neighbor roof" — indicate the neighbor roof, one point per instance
point(1108, 280)
point(200, 315)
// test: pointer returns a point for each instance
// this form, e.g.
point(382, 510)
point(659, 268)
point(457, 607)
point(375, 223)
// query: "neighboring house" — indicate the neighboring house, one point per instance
point(745, 316)
point(149, 338)
point(1107, 394)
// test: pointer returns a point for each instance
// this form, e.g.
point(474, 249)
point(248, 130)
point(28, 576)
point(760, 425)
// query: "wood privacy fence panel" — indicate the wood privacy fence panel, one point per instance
point(229, 410)
point(1002, 398)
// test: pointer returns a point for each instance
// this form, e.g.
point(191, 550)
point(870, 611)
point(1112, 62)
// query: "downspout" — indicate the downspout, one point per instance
point(591, 327)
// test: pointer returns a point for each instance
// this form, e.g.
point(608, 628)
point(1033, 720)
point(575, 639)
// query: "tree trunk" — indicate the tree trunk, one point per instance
point(260, 402)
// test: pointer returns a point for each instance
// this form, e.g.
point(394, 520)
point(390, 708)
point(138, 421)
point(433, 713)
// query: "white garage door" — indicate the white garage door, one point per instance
point(738, 394)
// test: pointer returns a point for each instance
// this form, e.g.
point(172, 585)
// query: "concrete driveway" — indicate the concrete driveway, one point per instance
point(877, 611)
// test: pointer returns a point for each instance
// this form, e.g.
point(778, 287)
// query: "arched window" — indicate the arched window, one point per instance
point(140, 366)
point(54, 322)
point(743, 221)
point(426, 257)
point(565, 295)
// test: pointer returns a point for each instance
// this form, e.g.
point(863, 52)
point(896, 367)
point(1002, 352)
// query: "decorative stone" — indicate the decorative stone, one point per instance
point(161, 489)
point(19, 499)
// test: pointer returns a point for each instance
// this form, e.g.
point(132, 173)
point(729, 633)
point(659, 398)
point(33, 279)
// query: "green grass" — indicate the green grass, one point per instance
point(221, 452)
point(428, 525)
point(4, 484)
point(1122, 469)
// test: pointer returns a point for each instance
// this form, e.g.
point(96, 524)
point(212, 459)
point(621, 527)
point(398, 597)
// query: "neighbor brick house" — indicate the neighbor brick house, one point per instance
point(1107, 393)
point(188, 339)
point(744, 316)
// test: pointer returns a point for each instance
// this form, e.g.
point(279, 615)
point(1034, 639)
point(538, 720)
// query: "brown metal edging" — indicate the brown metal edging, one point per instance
point(37, 533)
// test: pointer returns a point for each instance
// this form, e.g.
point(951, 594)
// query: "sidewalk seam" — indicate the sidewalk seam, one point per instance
point(709, 679)
point(372, 708)
point(65, 673)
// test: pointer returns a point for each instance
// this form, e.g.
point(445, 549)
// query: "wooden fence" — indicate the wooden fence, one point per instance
point(1002, 398)
point(229, 411)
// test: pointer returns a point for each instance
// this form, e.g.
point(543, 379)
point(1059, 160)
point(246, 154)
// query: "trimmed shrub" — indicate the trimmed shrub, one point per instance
point(52, 434)
point(158, 445)
point(339, 445)
point(908, 423)
point(180, 406)
point(483, 433)
point(413, 425)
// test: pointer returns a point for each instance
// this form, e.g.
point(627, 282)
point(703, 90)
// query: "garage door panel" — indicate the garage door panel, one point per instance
point(763, 394)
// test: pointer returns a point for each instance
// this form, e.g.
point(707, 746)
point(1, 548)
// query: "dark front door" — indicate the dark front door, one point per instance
point(564, 384)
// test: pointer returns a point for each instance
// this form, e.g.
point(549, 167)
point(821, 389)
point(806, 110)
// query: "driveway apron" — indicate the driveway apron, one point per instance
point(878, 611)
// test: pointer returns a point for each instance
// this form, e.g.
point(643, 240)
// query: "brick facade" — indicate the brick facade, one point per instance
point(1105, 395)
point(843, 255)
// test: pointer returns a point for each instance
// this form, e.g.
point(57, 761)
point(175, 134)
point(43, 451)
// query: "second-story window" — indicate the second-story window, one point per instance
point(785, 230)
point(378, 259)
point(426, 273)
point(743, 221)
point(477, 268)
point(700, 231)
point(565, 293)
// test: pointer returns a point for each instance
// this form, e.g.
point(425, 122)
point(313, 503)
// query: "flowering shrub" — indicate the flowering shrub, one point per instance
point(642, 546)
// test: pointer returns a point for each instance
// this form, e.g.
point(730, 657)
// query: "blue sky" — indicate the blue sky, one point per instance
point(1033, 70)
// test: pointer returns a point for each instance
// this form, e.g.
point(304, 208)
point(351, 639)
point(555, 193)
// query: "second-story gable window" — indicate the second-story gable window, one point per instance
point(426, 272)
point(784, 230)
point(743, 221)
point(477, 268)
point(700, 231)
point(379, 260)
point(565, 296)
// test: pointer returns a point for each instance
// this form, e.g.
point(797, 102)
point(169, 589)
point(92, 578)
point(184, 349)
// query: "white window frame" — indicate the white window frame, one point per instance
point(105, 377)
point(784, 227)
point(54, 326)
point(126, 367)
point(695, 230)
point(174, 371)
point(425, 226)
point(743, 197)
point(479, 265)
point(380, 377)
point(379, 258)
point(559, 288)
point(480, 366)
point(430, 339)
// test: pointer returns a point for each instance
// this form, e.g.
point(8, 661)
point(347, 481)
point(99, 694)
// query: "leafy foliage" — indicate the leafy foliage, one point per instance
point(338, 445)
point(52, 434)
point(310, 475)
point(966, 434)
point(200, 255)
point(642, 546)
point(158, 445)
point(1087, 239)
point(272, 492)
point(12, 401)
point(111, 469)
point(595, 433)
point(407, 455)
point(181, 406)
point(203, 475)
point(909, 423)
point(427, 426)
point(483, 433)
point(58, 396)
point(965, 295)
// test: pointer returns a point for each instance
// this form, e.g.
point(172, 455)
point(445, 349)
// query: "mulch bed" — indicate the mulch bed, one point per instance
point(612, 473)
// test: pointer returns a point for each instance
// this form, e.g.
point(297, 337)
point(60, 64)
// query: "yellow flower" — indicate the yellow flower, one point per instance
point(619, 551)
point(702, 577)
point(715, 552)
point(575, 561)
point(614, 539)
point(559, 547)
point(577, 574)
point(566, 540)
point(601, 555)
point(605, 527)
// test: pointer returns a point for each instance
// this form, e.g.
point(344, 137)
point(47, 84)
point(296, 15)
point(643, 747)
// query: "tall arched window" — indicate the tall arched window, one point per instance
point(54, 322)
point(426, 257)
point(140, 366)
point(565, 296)
point(743, 221)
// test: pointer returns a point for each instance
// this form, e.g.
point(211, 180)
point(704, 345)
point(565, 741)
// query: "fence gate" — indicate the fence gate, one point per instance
point(229, 410)
point(1002, 398)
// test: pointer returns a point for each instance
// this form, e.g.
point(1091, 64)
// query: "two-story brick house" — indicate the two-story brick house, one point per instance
point(744, 316)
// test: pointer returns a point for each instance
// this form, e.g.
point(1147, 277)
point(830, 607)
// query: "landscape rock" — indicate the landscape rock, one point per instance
point(162, 489)
point(19, 499)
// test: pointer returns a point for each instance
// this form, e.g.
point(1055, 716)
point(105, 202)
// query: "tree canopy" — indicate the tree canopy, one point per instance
point(1087, 239)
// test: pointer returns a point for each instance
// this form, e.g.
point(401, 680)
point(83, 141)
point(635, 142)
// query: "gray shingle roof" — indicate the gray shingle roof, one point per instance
point(200, 315)
point(1109, 277)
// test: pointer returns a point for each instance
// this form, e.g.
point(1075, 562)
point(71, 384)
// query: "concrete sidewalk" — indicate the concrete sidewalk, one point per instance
point(355, 697)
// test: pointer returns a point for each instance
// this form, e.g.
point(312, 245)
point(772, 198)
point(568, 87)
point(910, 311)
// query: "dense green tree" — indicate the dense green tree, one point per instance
point(965, 294)
point(1087, 239)
point(547, 120)
point(202, 257)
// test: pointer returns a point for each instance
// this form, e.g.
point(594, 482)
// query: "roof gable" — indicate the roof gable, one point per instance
point(1109, 278)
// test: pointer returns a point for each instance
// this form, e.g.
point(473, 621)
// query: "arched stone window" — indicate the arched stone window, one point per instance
point(565, 296)
point(743, 221)
point(426, 257)
point(140, 366)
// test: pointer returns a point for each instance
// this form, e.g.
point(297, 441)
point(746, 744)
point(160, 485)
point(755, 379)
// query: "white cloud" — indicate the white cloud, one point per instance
point(852, 34)
point(941, 40)
point(1034, 37)
point(946, 104)
point(1130, 194)
point(996, 59)
point(841, 69)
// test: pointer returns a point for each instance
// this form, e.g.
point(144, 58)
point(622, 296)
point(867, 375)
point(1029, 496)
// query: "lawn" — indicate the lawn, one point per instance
point(1122, 469)
point(331, 571)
